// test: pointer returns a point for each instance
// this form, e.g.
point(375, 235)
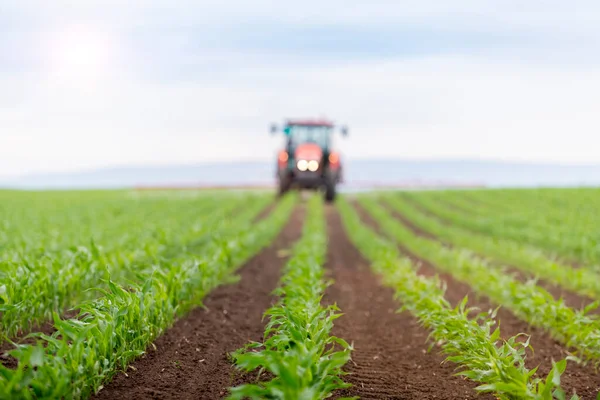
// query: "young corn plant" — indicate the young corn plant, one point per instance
point(298, 349)
point(114, 329)
point(575, 328)
point(472, 343)
point(33, 287)
point(562, 223)
point(579, 280)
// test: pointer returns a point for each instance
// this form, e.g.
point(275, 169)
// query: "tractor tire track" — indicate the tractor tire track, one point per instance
point(191, 358)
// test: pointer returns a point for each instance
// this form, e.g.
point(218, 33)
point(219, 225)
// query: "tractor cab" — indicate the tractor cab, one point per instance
point(308, 160)
point(319, 135)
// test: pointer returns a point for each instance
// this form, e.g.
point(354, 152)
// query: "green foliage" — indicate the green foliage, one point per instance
point(115, 328)
point(472, 343)
point(121, 237)
point(575, 328)
point(517, 254)
point(561, 222)
point(298, 348)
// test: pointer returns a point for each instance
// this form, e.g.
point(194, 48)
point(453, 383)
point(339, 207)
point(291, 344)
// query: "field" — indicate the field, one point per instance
point(383, 295)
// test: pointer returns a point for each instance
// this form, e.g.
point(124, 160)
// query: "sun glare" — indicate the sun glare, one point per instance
point(81, 51)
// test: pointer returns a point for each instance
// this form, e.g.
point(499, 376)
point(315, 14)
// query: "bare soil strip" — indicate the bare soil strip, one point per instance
point(584, 380)
point(191, 359)
point(390, 359)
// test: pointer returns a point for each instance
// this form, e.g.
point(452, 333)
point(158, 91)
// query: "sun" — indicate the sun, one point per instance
point(81, 51)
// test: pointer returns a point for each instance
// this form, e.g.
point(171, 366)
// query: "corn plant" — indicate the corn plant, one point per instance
point(531, 303)
point(117, 327)
point(531, 260)
point(298, 348)
point(472, 343)
point(563, 223)
point(33, 287)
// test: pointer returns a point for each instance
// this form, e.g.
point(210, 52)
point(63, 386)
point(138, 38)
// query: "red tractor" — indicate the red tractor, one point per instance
point(308, 161)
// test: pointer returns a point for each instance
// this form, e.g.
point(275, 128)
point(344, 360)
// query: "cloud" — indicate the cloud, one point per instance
point(202, 81)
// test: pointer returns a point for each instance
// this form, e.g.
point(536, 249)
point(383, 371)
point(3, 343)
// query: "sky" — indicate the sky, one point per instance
point(87, 84)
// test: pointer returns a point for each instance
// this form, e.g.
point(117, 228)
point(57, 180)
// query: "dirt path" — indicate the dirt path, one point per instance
point(584, 380)
point(191, 358)
point(390, 359)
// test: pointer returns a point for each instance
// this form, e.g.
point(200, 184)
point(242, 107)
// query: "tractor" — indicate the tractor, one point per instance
point(308, 160)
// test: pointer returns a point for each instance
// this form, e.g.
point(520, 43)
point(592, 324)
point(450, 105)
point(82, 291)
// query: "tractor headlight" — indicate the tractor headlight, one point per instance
point(302, 165)
point(313, 165)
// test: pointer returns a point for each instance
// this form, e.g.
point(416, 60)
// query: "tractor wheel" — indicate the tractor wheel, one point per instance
point(284, 185)
point(330, 191)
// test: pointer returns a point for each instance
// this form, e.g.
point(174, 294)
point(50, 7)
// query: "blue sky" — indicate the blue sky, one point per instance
point(86, 84)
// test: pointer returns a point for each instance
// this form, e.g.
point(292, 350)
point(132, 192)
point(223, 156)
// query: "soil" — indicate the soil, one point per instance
point(191, 359)
point(390, 358)
point(582, 379)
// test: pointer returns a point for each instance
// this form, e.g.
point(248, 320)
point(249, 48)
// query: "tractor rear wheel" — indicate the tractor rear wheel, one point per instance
point(330, 191)
point(285, 183)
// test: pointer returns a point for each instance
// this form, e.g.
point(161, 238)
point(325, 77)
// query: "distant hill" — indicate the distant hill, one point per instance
point(359, 174)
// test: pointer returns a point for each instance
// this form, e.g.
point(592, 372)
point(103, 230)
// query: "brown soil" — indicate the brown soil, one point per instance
point(390, 359)
point(584, 380)
point(191, 359)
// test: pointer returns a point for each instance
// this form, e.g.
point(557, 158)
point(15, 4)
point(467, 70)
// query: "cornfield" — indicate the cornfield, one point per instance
point(212, 294)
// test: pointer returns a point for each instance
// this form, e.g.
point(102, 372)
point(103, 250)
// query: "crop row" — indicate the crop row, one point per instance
point(32, 287)
point(516, 254)
point(472, 343)
point(298, 349)
point(117, 327)
point(518, 215)
point(531, 303)
point(41, 224)
point(564, 228)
